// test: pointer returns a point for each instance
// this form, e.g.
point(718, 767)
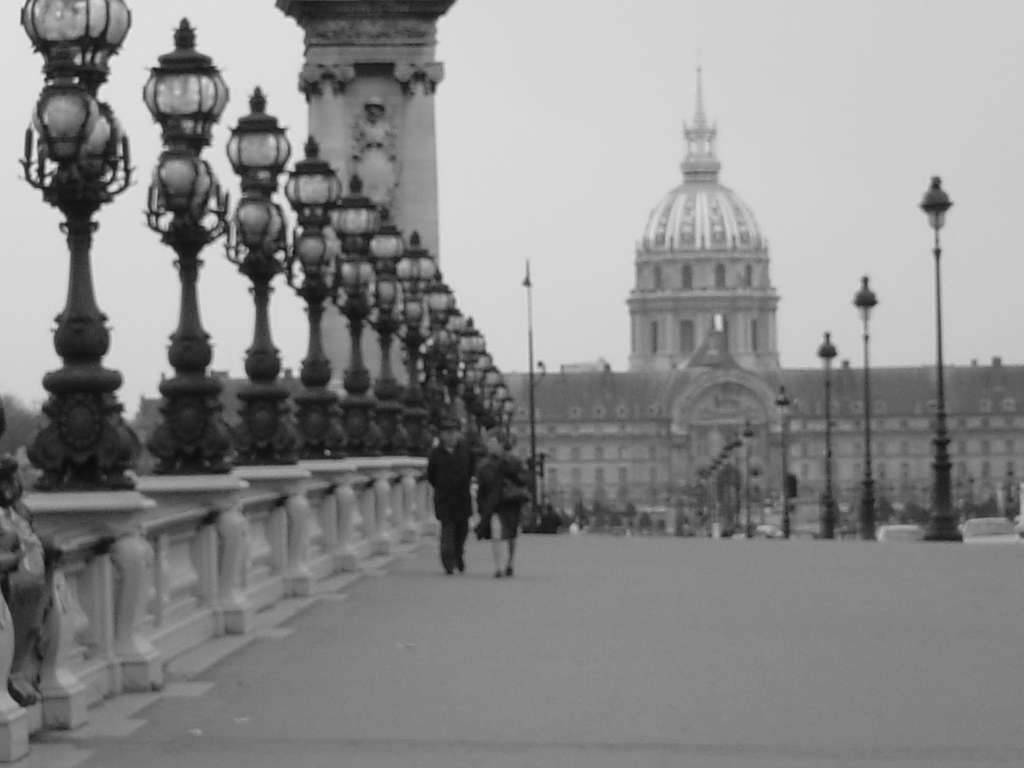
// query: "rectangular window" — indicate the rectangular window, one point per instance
point(623, 476)
point(599, 453)
point(654, 336)
point(755, 337)
point(574, 453)
point(576, 479)
point(599, 476)
point(552, 478)
point(686, 339)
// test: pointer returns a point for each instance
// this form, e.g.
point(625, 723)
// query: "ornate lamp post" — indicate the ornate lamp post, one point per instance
point(827, 353)
point(312, 190)
point(387, 248)
point(415, 270)
point(942, 526)
point(258, 151)
point(748, 439)
point(186, 95)
point(356, 220)
point(865, 300)
point(78, 157)
point(783, 403)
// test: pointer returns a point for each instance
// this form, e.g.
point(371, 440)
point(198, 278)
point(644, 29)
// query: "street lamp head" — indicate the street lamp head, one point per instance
point(260, 224)
point(258, 148)
point(387, 244)
point(865, 299)
point(935, 203)
point(185, 92)
point(827, 350)
point(313, 188)
point(183, 183)
point(65, 116)
point(92, 30)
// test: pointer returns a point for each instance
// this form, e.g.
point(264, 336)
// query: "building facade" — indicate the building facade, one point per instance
point(704, 370)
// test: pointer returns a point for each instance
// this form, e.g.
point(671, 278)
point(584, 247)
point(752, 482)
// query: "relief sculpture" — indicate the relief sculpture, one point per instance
point(375, 152)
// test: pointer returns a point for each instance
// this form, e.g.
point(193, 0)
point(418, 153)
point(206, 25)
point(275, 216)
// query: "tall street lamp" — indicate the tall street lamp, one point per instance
point(186, 95)
point(355, 221)
point(748, 439)
point(865, 300)
point(258, 150)
point(783, 403)
point(942, 526)
point(415, 270)
point(78, 157)
point(528, 284)
point(312, 190)
point(386, 248)
point(827, 353)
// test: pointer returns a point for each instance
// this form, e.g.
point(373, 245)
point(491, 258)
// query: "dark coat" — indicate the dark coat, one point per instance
point(450, 473)
point(491, 476)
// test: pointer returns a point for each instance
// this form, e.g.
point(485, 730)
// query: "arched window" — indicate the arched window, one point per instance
point(654, 337)
point(719, 276)
point(687, 277)
point(686, 340)
point(748, 276)
point(657, 277)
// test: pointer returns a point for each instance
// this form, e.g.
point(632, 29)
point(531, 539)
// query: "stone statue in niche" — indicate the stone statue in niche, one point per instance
point(375, 152)
point(25, 576)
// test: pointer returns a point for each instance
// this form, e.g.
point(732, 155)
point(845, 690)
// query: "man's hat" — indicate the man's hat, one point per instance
point(449, 423)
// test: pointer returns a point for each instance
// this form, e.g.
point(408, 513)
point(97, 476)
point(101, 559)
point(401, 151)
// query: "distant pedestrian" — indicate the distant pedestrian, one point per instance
point(450, 469)
point(502, 490)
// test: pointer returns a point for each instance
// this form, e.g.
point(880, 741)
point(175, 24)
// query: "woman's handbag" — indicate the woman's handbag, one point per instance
point(512, 492)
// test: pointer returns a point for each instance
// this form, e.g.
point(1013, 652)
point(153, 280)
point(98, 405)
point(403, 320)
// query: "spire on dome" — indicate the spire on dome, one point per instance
point(700, 164)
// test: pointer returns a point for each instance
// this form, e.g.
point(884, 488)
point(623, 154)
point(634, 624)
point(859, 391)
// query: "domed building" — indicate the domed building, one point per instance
point(702, 265)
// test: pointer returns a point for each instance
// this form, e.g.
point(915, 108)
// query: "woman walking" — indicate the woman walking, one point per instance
point(502, 490)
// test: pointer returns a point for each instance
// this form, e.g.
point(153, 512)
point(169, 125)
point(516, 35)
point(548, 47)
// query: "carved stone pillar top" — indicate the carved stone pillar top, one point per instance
point(216, 492)
point(315, 74)
point(285, 478)
point(367, 23)
point(426, 75)
point(70, 515)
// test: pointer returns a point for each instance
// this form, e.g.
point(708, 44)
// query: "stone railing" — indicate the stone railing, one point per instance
point(142, 576)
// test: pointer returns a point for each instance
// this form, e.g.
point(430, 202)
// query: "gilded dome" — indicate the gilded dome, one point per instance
point(701, 214)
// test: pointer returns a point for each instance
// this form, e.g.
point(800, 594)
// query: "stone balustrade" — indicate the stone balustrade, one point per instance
point(145, 575)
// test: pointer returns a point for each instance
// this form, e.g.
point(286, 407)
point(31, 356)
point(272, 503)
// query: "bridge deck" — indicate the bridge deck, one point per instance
point(610, 651)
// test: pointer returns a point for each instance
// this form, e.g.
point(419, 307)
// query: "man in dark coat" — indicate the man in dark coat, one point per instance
point(450, 469)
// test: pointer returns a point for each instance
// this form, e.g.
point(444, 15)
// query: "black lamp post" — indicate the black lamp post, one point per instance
point(827, 353)
point(78, 157)
point(258, 150)
point(415, 270)
point(186, 95)
point(740, 483)
point(783, 403)
point(356, 220)
point(865, 300)
point(312, 190)
point(942, 526)
point(386, 248)
point(748, 439)
point(440, 302)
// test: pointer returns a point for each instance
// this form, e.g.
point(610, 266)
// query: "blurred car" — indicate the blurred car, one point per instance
point(768, 532)
point(902, 532)
point(990, 530)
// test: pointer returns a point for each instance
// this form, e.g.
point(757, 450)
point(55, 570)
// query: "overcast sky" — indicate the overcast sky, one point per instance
point(559, 128)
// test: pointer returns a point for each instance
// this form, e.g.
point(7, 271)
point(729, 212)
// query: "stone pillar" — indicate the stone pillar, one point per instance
point(381, 540)
point(64, 695)
point(356, 53)
point(13, 719)
point(141, 665)
point(235, 608)
point(411, 498)
point(298, 576)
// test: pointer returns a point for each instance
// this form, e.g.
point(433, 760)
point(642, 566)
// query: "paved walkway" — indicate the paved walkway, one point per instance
point(609, 652)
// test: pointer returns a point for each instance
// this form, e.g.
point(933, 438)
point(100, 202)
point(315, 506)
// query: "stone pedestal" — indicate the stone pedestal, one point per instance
point(120, 514)
point(290, 480)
